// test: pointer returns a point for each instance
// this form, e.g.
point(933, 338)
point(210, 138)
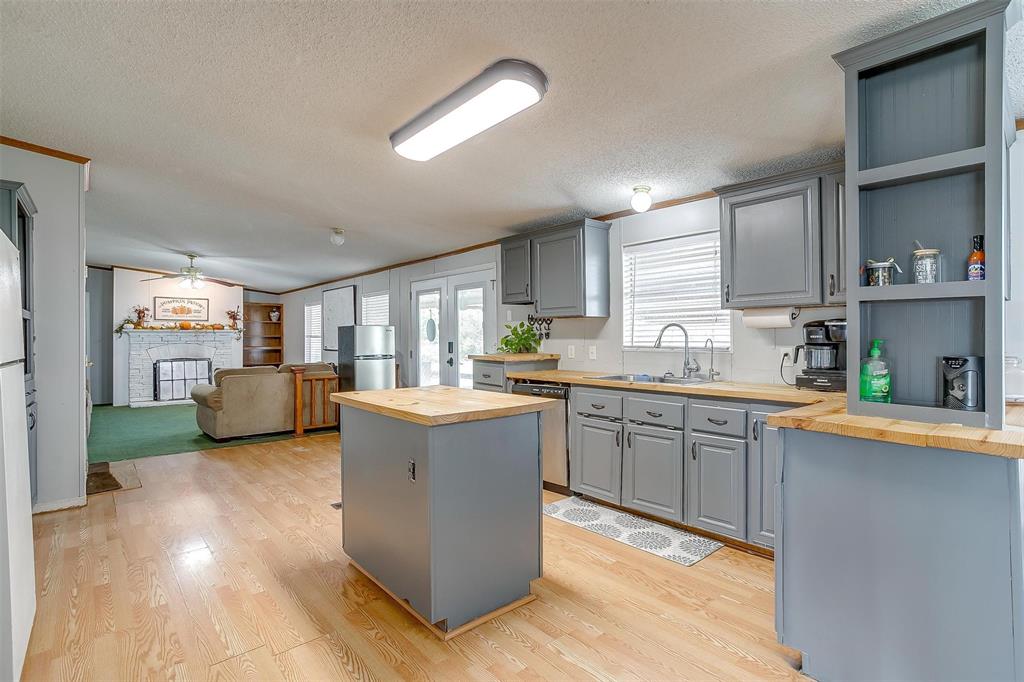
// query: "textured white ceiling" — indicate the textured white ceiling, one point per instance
point(244, 132)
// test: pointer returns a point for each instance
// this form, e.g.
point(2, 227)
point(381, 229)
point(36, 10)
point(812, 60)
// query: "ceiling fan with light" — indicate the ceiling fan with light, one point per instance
point(191, 276)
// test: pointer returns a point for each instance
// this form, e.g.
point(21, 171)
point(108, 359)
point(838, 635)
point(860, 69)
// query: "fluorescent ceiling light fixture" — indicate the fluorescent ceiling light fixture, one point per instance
point(502, 90)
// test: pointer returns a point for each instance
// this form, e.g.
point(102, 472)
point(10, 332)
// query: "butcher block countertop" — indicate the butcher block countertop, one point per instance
point(767, 393)
point(437, 405)
point(832, 418)
point(516, 357)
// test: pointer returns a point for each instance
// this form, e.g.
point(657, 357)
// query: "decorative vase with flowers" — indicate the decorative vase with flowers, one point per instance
point(234, 315)
point(140, 312)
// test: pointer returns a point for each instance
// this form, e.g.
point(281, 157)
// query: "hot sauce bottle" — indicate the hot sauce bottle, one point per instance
point(976, 261)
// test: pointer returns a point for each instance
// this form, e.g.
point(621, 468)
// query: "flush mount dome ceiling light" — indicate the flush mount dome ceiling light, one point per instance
point(641, 200)
point(337, 236)
point(502, 90)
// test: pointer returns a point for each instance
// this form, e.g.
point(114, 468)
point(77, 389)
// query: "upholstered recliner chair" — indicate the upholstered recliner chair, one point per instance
point(249, 401)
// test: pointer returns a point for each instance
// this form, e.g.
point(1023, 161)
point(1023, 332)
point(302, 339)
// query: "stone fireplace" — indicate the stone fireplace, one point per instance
point(174, 361)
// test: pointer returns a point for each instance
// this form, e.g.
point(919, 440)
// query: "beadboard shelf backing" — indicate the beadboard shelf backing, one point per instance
point(927, 104)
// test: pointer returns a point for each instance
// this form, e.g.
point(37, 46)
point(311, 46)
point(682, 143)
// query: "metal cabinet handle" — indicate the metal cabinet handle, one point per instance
point(629, 439)
point(726, 293)
point(527, 290)
point(693, 450)
point(757, 423)
point(618, 438)
point(653, 414)
point(596, 406)
point(486, 376)
point(411, 469)
point(832, 285)
point(718, 422)
point(31, 420)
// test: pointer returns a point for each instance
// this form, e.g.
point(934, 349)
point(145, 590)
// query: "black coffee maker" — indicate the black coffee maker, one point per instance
point(824, 350)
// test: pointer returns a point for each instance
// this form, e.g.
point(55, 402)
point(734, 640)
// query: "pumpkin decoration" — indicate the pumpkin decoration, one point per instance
point(217, 326)
point(185, 325)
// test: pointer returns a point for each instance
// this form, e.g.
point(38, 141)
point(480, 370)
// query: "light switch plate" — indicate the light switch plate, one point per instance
point(570, 351)
point(508, 315)
point(592, 352)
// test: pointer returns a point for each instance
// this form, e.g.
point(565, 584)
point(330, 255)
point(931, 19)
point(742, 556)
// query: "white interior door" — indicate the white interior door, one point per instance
point(453, 317)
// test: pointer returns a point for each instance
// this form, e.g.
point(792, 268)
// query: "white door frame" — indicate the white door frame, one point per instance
point(448, 284)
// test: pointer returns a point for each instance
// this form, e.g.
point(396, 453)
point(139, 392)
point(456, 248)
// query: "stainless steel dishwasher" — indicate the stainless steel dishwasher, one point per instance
point(554, 436)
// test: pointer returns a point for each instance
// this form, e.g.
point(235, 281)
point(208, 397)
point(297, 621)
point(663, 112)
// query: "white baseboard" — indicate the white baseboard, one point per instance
point(58, 504)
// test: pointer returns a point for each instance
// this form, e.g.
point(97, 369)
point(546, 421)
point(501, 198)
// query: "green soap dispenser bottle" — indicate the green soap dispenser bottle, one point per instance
point(875, 378)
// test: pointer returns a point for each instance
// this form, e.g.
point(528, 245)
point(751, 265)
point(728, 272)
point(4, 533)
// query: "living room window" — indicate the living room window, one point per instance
point(673, 280)
point(376, 308)
point(313, 332)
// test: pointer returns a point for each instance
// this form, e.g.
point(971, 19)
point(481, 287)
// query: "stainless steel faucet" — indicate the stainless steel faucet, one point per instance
point(712, 372)
point(689, 366)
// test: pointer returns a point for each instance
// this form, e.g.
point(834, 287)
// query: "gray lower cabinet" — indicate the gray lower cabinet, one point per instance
point(652, 471)
point(716, 475)
point(515, 271)
point(596, 458)
point(762, 451)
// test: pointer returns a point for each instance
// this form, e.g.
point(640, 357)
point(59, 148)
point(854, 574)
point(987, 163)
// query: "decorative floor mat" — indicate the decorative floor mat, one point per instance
point(105, 477)
point(650, 536)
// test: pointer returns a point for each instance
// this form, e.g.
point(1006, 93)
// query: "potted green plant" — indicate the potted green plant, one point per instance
point(521, 338)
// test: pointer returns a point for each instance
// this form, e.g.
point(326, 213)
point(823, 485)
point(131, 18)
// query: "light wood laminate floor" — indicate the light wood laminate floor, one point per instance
point(227, 564)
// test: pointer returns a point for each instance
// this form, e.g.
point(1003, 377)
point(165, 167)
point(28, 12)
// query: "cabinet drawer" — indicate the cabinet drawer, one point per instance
point(717, 418)
point(658, 412)
point(599, 404)
point(491, 373)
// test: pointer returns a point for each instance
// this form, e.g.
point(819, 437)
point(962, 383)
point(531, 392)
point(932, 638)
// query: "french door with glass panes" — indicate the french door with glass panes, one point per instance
point(453, 317)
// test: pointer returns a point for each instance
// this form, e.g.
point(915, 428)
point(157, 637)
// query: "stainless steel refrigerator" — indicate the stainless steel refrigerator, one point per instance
point(366, 357)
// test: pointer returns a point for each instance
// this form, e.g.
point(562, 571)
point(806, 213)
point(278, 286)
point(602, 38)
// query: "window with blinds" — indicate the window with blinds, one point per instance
point(313, 333)
point(376, 308)
point(673, 280)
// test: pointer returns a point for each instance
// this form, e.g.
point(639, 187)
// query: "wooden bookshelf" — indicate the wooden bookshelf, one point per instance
point(262, 338)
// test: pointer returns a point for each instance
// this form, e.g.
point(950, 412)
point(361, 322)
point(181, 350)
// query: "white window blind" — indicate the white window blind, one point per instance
point(673, 280)
point(314, 332)
point(376, 308)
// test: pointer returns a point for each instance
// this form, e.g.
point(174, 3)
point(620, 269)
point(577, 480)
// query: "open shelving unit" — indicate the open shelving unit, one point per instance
point(926, 151)
point(262, 338)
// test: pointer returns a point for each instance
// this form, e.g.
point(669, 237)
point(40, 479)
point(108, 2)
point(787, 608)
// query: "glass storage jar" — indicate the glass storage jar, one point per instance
point(927, 266)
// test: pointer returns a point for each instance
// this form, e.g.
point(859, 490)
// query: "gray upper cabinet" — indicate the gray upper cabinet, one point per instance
point(596, 454)
point(567, 270)
point(771, 246)
point(833, 233)
point(761, 461)
point(782, 240)
point(515, 271)
point(716, 492)
point(652, 471)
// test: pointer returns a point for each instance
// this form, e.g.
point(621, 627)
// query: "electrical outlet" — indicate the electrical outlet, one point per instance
point(786, 355)
point(592, 352)
point(570, 351)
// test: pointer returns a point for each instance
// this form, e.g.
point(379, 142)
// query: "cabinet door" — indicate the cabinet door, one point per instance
point(515, 272)
point(716, 496)
point(596, 468)
point(557, 273)
point(771, 246)
point(833, 228)
point(652, 471)
point(762, 449)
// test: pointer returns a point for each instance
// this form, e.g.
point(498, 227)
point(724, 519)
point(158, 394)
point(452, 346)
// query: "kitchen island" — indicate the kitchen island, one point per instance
point(441, 490)
point(898, 547)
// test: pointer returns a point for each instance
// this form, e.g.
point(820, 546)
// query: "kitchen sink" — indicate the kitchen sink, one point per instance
point(653, 379)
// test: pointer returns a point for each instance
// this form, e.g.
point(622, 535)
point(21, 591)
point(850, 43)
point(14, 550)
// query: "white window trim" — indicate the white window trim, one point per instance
point(696, 346)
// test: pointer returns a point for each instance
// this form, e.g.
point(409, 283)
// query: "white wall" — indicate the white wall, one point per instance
point(59, 281)
point(99, 346)
point(130, 290)
point(1014, 332)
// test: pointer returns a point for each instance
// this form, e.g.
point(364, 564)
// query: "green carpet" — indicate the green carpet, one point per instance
point(127, 433)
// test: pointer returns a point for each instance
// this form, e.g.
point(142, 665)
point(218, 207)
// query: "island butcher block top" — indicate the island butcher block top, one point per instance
point(437, 405)
point(767, 393)
point(516, 357)
point(832, 418)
